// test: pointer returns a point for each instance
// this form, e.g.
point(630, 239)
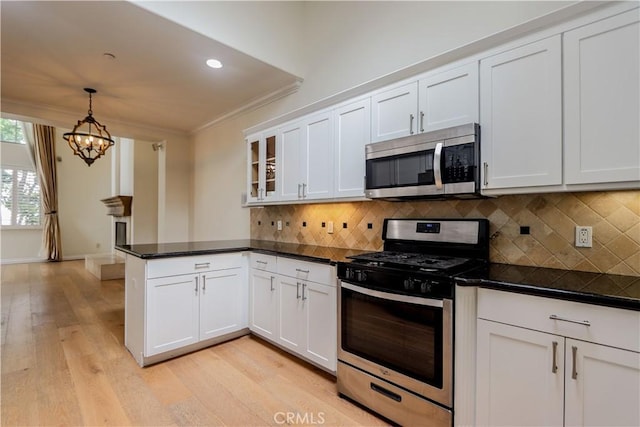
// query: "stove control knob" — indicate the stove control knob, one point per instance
point(425, 287)
point(348, 273)
point(361, 276)
point(409, 284)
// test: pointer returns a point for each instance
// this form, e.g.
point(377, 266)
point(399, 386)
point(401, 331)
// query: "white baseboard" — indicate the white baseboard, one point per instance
point(21, 260)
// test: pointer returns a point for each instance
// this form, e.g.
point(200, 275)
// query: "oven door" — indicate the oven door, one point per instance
point(402, 339)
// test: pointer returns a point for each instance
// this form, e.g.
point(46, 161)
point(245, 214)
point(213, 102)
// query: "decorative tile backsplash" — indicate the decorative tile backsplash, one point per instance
point(551, 218)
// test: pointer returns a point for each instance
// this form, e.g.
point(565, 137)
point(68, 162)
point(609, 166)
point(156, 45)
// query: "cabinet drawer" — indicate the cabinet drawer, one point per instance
point(263, 262)
point(303, 270)
point(609, 326)
point(193, 264)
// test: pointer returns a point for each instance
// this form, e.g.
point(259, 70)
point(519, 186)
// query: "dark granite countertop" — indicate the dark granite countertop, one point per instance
point(293, 250)
point(595, 288)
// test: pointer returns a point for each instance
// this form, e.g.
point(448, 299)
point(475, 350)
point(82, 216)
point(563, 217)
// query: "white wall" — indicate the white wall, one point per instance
point(84, 224)
point(345, 44)
point(144, 211)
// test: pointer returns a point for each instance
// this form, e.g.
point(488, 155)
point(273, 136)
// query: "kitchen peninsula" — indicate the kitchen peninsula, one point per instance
point(181, 297)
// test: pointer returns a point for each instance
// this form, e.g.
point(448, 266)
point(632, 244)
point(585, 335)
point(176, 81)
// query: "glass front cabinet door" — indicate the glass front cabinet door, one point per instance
point(261, 178)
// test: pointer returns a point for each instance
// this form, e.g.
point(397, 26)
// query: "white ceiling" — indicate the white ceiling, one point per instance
point(51, 50)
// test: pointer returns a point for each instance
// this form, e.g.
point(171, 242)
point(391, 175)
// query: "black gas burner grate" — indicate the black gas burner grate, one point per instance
point(408, 259)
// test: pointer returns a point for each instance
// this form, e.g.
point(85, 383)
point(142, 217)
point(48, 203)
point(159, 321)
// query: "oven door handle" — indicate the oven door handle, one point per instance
point(394, 297)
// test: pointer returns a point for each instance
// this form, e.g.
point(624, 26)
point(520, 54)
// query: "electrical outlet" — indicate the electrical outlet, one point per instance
point(279, 225)
point(584, 237)
point(330, 227)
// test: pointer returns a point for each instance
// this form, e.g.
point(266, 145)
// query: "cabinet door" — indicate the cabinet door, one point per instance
point(317, 156)
point(320, 311)
point(521, 116)
point(352, 133)
point(394, 113)
point(255, 170)
point(516, 382)
point(448, 98)
point(222, 303)
point(261, 172)
point(288, 170)
point(602, 385)
point(263, 302)
point(602, 101)
point(290, 317)
point(172, 313)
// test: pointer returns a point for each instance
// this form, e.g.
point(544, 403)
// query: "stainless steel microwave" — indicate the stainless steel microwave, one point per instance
point(435, 164)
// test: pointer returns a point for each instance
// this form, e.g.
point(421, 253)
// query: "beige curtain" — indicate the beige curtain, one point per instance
point(45, 154)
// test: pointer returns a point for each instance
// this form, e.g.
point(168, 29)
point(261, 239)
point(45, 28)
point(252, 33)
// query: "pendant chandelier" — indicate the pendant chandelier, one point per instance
point(89, 139)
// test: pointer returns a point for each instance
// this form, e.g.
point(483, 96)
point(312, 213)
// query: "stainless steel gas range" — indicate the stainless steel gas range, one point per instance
point(395, 349)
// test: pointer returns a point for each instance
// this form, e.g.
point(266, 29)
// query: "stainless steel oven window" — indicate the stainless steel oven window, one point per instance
point(402, 336)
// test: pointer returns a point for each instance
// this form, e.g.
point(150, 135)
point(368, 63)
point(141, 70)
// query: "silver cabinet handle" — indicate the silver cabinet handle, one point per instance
point(554, 364)
point(261, 262)
point(299, 270)
point(272, 288)
point(564, 319)
point(204, 283)
point(574, 357)
point(421, 121)
point(485, 166)
point(411, 124)
point(304, 190)
point(202, 265)
point(299, 185)
point(437, 161)
point(304, 286)
point(196, 285)
point(297, 290)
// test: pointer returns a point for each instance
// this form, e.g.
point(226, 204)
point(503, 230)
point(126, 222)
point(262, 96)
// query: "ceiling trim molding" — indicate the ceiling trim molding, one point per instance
point(65, 119)
point(253, 105)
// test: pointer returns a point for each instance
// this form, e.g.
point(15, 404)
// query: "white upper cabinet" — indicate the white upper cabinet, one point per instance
point(602, 101)
point(261, 171)
point(521, 116)
point(438, 99)
point(317, 157)
point(394, 112)
point(289, 149)
point(305, 154)
point(448, 98)
point(352, 132)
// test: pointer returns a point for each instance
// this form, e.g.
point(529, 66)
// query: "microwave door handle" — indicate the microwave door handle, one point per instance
point(437, 162)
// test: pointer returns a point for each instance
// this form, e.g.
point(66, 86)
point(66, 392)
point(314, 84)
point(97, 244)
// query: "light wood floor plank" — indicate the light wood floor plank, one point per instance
point(64, 363)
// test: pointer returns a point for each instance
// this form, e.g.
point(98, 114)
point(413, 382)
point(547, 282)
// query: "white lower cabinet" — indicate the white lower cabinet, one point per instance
point(547, 376)
point(263, 303)
point(172, 313)
point(604, 389)
point(223, 302)
point(307, 320)
point(176, 305)
point(295, 308)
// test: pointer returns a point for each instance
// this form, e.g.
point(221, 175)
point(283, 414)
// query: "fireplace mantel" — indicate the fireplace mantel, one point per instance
point(118, 205)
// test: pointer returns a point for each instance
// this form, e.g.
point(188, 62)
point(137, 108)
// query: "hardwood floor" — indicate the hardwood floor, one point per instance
point(64, 363)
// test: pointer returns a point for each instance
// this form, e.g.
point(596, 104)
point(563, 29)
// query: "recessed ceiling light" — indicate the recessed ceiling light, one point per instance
point(214, 63)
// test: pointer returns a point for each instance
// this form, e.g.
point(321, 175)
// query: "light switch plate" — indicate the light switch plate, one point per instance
point(330, 227)
point(279, 225)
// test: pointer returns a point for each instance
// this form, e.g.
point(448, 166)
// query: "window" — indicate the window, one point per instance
point(11, 131)
point(19, 190)
point(20, 198)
